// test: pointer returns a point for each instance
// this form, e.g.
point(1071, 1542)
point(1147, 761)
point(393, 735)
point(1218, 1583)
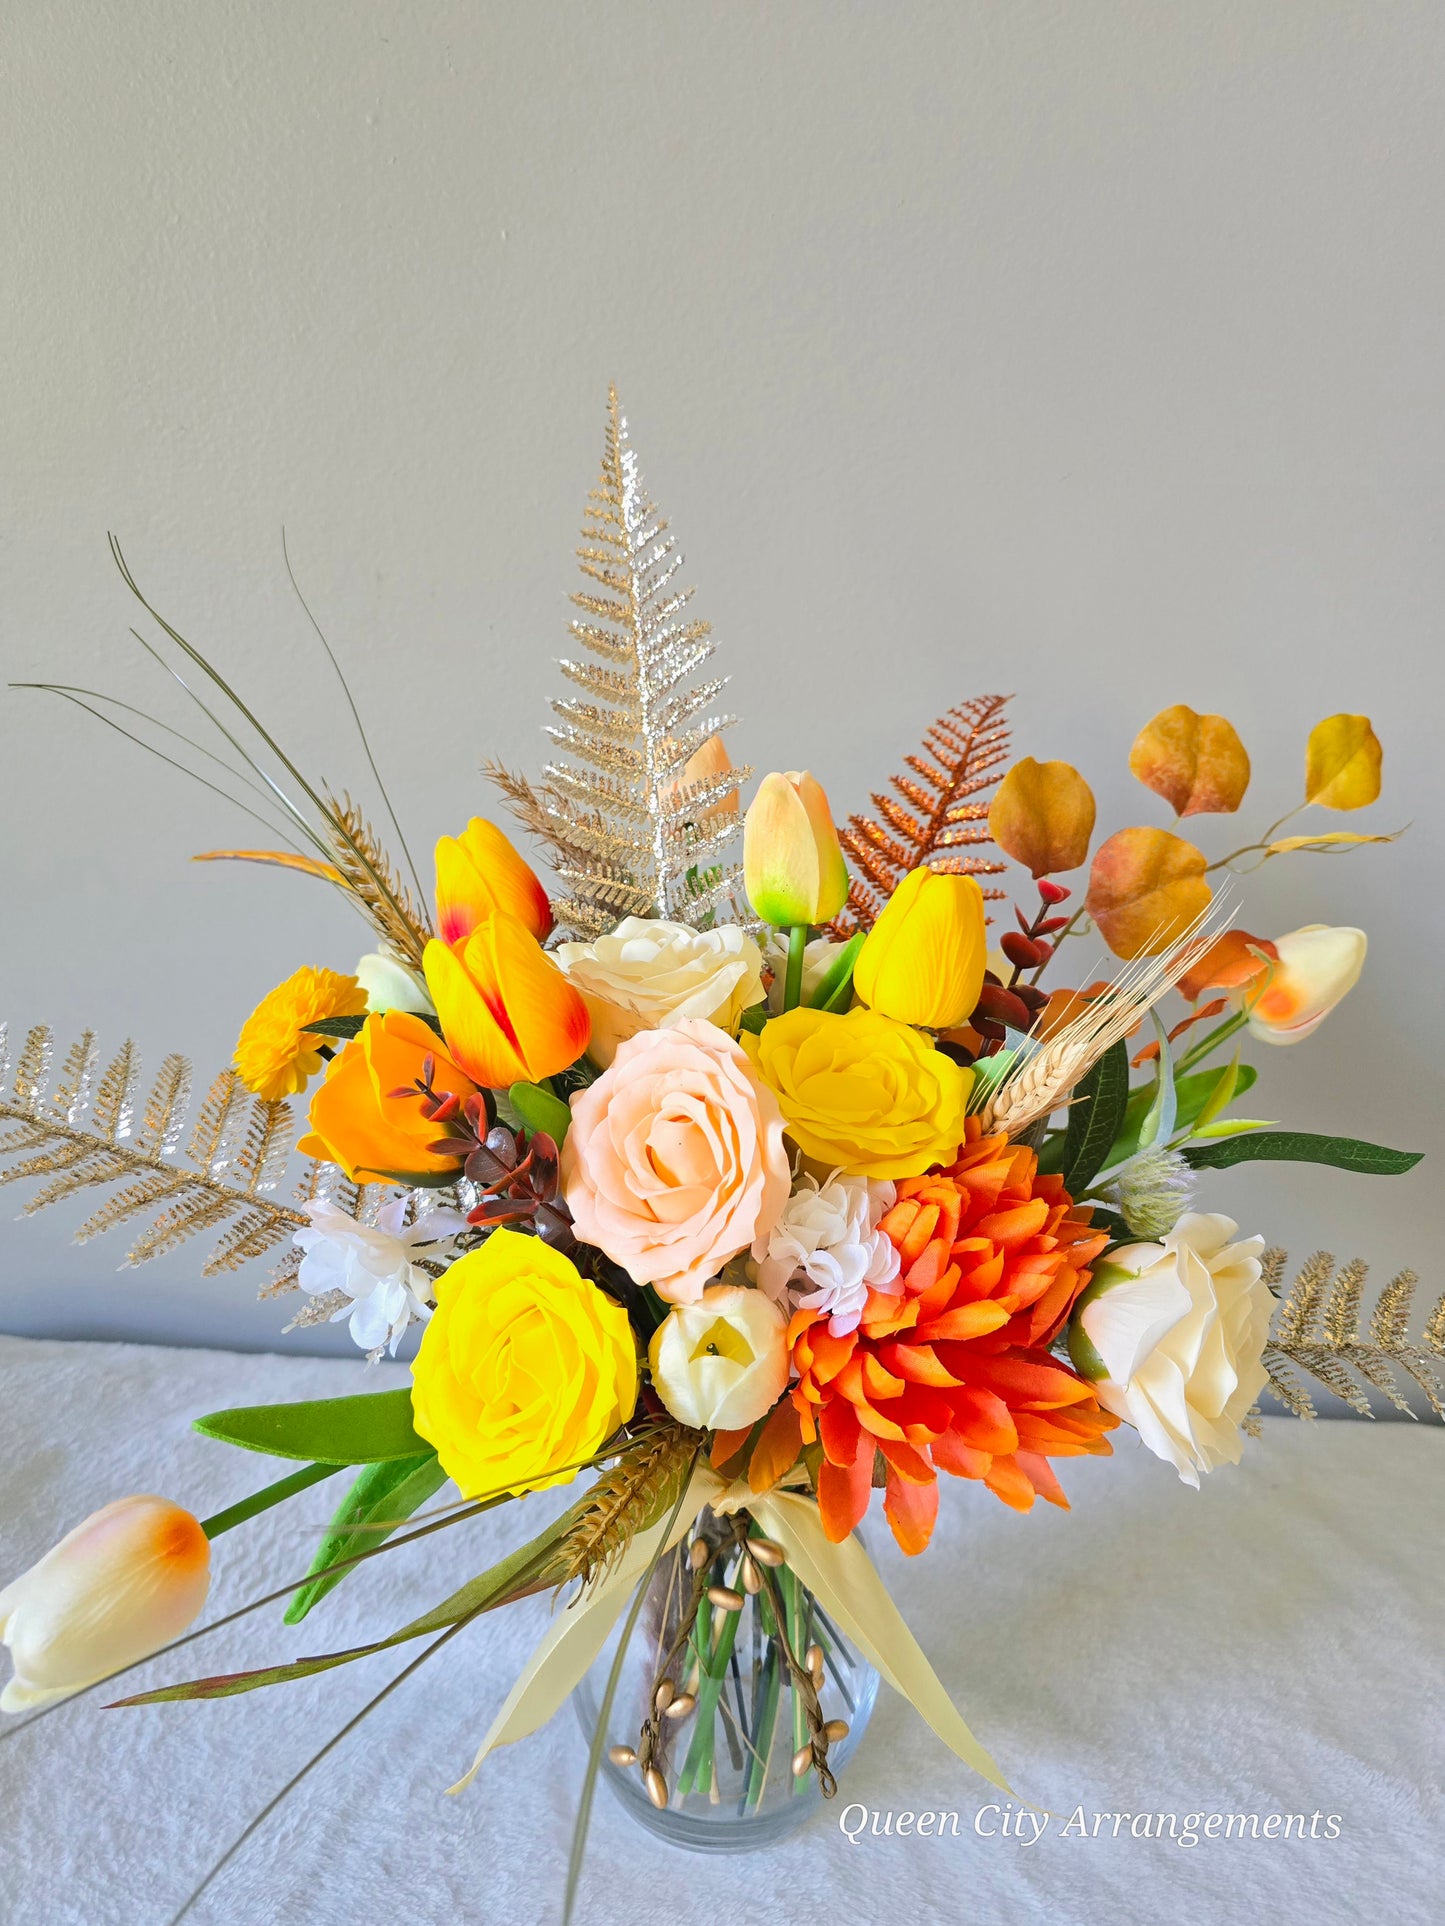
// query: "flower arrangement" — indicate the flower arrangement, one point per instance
point(751, 1188)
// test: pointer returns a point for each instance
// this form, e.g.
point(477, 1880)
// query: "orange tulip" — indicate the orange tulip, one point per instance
point(368, 1115)
point(479, 873)
point(508, 1013)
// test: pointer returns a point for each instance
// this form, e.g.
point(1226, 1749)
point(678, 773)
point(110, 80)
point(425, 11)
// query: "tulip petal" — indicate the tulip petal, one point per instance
point(545, 1014)
point(479, 873)
point(475, 1037)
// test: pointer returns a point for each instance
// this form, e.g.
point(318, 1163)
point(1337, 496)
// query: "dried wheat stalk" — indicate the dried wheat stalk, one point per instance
point(373, 879)
point(1039, 1081)
point(626, 1499)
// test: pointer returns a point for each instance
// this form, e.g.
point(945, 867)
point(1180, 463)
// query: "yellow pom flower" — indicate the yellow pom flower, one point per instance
point(524, 1370)
point(274, 1055)
point(862, 1093)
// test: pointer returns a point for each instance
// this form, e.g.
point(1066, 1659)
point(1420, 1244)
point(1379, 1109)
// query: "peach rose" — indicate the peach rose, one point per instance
point(674, 1162)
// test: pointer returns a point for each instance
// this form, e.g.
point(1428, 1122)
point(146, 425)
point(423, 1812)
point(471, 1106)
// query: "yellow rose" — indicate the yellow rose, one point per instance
point(524, 1370)
point(861, 1093)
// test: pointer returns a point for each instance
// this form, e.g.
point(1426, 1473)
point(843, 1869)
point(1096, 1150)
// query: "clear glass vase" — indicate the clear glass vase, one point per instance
point(738, 1702)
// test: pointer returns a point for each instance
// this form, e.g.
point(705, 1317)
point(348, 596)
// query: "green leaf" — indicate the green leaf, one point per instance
point(1234, 1126)
point(382, 1497)
point(1095, 1117)
point(1303, 1147)
point(540, 1110)
point(528, 1569)
point(329, 1431)
point(835, 992)
point(1221, 1096)
point(341, 1027)
point(1051, 1154)
point(1191, 1094)
point(268, 1495)
point(753, 1019)
point(1160, 1118)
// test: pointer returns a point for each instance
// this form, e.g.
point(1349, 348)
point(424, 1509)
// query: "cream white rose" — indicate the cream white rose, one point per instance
point(721, 1363)
point(649, 974)
point(1173, 1335)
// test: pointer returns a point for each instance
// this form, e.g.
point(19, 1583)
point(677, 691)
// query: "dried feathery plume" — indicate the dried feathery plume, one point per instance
point(236, 1155)
point(1038, 1081)
point(625, 1500)
point(628, 833)
point(368, 873)
point(935, 812)
point(1317, 1332)
point(1152, 1191)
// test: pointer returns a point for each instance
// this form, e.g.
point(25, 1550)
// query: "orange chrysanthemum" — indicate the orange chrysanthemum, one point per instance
point(274, 1055)
point(954, 1373)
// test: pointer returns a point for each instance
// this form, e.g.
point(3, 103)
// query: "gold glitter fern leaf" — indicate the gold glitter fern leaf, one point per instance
point(1317, 1333)
point(236, 1155)
point(933, 815)
point(628, 834)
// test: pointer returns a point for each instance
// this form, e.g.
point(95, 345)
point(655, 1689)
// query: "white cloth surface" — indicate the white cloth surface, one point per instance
point(1269, 1645)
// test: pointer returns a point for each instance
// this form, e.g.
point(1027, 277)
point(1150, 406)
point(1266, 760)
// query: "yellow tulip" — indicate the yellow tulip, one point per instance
point(923, 960)
point(125, 1582)
point(478, 873)
point(792, 863)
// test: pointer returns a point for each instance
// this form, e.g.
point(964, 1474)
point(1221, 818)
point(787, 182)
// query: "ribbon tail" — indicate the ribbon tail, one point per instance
point(578, 1633)
point(846, 1582)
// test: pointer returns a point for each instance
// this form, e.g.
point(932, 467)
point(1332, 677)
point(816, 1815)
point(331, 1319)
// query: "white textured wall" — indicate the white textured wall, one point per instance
point(1093, 352)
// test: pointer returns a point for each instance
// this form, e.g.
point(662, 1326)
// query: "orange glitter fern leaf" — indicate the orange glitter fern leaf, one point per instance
point(934, 816)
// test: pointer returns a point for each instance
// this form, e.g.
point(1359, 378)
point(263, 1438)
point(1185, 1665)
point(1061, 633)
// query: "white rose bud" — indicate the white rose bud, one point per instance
point(1172, 1336)
point(649, 974)
point(721, 1363)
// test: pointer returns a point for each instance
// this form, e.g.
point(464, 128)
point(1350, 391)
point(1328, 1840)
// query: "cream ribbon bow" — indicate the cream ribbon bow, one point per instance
point(841, 1577)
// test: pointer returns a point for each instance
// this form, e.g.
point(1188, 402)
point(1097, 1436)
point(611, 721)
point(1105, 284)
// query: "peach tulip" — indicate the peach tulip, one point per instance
point(478, 873)
point(792, 863)
point(125, 1582)
point(1314, 969)
point(508, 1013)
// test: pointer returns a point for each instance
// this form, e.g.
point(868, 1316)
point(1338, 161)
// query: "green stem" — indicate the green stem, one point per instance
point(1211, 1042)
point(793, 982)
point(268, 1495)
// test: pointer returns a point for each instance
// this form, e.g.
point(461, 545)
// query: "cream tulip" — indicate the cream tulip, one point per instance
point(128, 1580)
point(1316, 967)
point(721, 1363)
